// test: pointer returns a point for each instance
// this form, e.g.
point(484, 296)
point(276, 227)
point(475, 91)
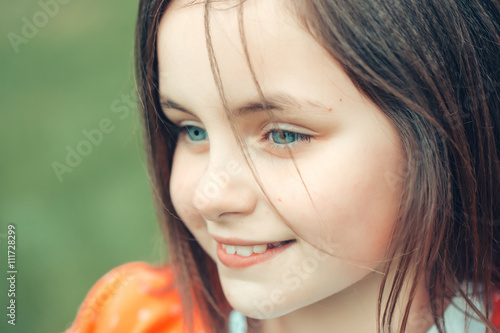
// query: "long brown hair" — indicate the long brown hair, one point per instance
point(433, 67)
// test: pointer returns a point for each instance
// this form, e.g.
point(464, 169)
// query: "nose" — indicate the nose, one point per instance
point(227, 188)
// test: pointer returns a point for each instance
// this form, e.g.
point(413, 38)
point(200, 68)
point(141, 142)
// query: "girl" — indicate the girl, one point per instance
point(321, 166)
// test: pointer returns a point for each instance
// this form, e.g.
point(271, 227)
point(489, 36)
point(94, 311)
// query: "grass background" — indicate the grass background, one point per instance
point(69, 233)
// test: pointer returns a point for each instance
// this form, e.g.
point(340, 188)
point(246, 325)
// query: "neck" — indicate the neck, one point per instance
point(353, 310)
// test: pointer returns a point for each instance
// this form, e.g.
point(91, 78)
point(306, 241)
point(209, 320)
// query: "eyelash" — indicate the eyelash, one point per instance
point(301, 138)
point(267, 137)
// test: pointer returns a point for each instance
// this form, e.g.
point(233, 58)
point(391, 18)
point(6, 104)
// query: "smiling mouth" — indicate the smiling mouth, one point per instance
point(246, 251)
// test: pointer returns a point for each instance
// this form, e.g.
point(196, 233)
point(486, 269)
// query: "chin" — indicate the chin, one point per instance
point(263, 310)
point(264, 304)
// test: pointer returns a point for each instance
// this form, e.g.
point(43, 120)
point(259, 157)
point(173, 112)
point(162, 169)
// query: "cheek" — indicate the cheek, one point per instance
point(183, 182)
point(348, 209)
point(363, 214)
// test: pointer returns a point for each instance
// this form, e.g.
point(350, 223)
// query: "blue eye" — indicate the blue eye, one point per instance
point(196, 133)
point(281, 137)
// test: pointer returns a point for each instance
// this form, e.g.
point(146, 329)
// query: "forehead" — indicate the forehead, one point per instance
point(281, 52)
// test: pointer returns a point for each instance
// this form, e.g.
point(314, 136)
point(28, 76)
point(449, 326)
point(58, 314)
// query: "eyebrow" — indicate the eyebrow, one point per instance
point(274, 102)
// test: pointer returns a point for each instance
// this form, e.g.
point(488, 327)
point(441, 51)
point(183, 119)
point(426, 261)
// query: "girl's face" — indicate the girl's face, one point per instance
point(337, 193)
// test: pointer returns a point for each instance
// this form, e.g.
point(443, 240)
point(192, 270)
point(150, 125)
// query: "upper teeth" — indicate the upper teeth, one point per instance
point(247, 251)
point(244, 251)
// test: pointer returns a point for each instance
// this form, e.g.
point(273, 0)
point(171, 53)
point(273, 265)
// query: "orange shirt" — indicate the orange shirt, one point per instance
point(134, 297)
point(138, 298)
point(495, 318)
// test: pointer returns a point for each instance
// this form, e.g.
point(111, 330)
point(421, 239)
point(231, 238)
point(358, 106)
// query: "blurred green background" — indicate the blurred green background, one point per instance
point(59, 79)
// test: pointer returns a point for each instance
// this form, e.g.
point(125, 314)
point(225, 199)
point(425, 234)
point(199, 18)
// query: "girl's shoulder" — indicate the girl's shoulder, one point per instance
point(134, 297)
point(137, 297)
point(460, 318)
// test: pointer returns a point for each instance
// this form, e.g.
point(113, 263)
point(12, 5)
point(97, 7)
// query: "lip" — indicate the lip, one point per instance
point(237, 261)
point(243, 242)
